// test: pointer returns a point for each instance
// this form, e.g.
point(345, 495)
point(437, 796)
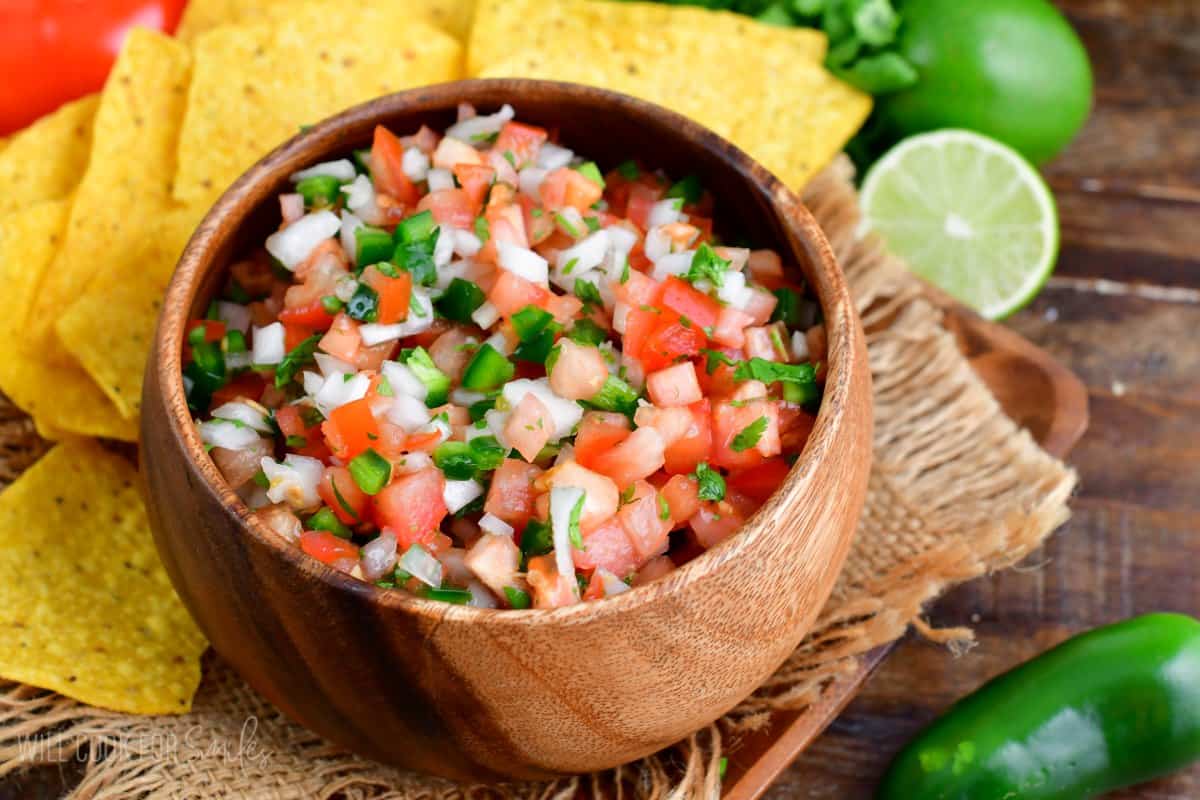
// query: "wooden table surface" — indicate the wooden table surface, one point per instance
point(1123, 311)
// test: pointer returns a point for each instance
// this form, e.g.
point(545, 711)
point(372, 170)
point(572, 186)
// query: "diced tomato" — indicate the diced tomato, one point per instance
point(214, 329)
point(394, 294)
point(342, 340)
point(567, 187)
point(682, 456)
point(523, 141)
point(766, 269)
point(698, 307)
point(768, 342)
point(512, 293)
point(644, 522)
point(722, 381)
point(638, 290)
point(475, 180)
point(550, 589)
point(372, 357)
point(528, 427)
point(563, 307)
point(730, 328)
point(761, 306)
point(327, 548)
point(601, 495)
point(607, 547)
point(425, 139)
point(595, 588)
point(674, 386)
point(655, 568)
point(349, 503)
point(249, 385)
point(510, 497)
point(450, 152)
point(387, 168)
point(412, 506)
point(638, 456)
point(671, 340)
point(639, 324)
point(293, 335)
point(291, 422)
point(351, 429)
point(599, 432)
point(795, 426)
point(682, 496)
point(312, 317)
point(760, 482)
point(453, 207)
point(506, 223)
point(729, 420)
point(715, 522)
point(641, 200)
point(579, 373)
point(539, 228)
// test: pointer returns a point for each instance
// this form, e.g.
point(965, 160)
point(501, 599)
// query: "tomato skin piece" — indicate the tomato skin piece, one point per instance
point(599, 432)
point(412, 506)
point(312, 316)
point(54, 51)
point(387, 168)
point(351, 429)
point(682, 455)
point(358, 501)
point(760, 481)
point(523, 141)
point(684, 299)
point(327, 548)
point(511, 494)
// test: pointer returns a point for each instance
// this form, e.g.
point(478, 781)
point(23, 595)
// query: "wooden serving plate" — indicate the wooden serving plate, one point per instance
point(1040, 395)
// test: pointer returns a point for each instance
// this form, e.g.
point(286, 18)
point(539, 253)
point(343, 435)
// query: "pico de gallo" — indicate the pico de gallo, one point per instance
point(477, 367)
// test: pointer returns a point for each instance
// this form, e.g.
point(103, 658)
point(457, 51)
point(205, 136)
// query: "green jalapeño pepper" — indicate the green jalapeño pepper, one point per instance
point(1110, 708)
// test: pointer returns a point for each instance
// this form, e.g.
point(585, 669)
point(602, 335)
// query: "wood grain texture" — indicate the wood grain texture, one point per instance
point(1129, 197)
point(471, 693)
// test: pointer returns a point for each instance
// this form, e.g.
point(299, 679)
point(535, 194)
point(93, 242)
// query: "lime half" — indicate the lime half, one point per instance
point(968, 214)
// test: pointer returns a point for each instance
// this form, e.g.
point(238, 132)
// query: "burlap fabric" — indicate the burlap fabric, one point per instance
point(957, 490)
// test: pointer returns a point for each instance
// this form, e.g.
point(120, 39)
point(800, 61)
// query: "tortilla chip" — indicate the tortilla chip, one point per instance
point(504, 27)
point(255, 85)
point(60, 397)
point(793, 121)
point(44, 161)
point(127, 183)
point(110, 329)
point(86, 608)
point(452, 16)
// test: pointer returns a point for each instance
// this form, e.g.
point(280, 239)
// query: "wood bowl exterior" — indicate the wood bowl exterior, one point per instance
point(484, 695)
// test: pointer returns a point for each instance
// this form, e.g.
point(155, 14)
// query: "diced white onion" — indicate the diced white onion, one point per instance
point(664, 212)
point(563, 500)
point(268, 346)
point(570, 221)
point(350, 225)
point(408, 412)
point(403, 380)
point(529, 180)
point(228, 434)
point(247, 413)
point(378, 556)
point(440, 179)
point(580, 257)
point(360, 195)
point(457, 494)
point(486, 315)
point(291, 206)
point(476, 130)
point(552, 156)
point(672, 264)
point(466, 243)
point(413, 462)
point(490, 523)
point(620, 317)
point(658, 244)
point(417, 562)
point(415, 164)
point(294, 243)
point(523, 263)
point(235, 316)
point(342, 169)
point(312, 382)
point(443, 249)
point(294, 481)
point(800, 346)
point(447, 274)
point(564, 413)
point(496, 420)
point(465, 397)
point(345, 288)
point(499, 343)
point(480, 596)
point(611, 583)
point(734, 291)
point(338, 390)
point(237, 360)
point(330, 365)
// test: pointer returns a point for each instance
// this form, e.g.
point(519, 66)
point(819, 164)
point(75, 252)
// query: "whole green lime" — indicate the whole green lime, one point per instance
point(1014, 70)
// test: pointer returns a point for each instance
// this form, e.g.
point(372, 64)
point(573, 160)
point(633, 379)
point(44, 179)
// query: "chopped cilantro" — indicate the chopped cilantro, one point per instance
point(707, 265)
point(748, 436)
point(300, 356)
point(589, 294)
point(711, 482)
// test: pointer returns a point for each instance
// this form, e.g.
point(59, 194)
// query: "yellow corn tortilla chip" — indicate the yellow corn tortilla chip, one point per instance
point(792, 121)
point(504, 27)
point(255, 85)
point(109, 330)
point(44, 161)
point(452, 16)
point(60, 397)
point(127, 183)
point(86, 608)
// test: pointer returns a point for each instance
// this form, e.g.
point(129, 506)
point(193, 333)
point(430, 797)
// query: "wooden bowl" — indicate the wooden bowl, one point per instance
point(478, 694)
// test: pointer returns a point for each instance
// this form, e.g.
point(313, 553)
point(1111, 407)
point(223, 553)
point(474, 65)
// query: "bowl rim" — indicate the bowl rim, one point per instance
point(195, 263)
